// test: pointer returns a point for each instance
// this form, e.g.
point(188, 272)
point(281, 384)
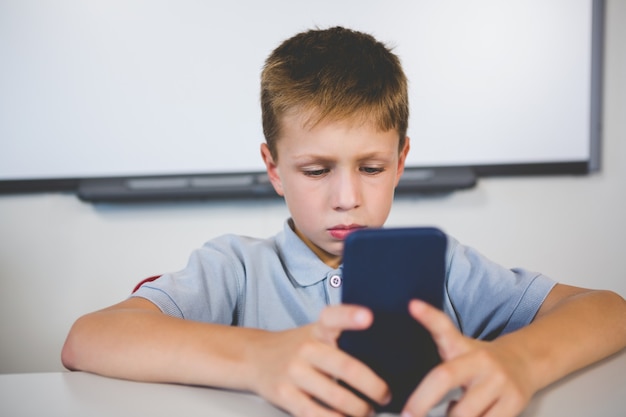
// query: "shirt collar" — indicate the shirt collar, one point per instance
point(304, 266)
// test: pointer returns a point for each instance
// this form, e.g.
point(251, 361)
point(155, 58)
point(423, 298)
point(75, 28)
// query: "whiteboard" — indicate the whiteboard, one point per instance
point(115, 88)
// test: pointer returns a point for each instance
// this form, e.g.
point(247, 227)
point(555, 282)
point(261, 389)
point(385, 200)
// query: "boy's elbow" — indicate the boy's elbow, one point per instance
point(611, 306)
point(67, 355)
point(71, 348)
point(614, 304)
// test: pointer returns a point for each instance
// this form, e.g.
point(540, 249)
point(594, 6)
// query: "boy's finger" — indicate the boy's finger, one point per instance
point(298, 403)
point(428, 394)
point(335, 319)
point(440, 381)
point(449, 340)
point(341, 366)
point(326, 389)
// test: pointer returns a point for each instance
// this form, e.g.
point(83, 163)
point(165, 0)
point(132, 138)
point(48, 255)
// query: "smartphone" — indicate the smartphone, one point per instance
point(383, 269)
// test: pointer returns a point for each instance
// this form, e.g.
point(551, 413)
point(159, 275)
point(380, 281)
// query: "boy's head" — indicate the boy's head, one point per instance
point(335, 74)
point(335, 113)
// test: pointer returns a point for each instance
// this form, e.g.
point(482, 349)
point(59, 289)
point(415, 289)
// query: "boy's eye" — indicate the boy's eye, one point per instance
point(372, 170)
point(316, 172)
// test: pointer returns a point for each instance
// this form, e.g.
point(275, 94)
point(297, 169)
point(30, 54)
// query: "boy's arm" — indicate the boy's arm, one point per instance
point(134, 340)
point(574, 328)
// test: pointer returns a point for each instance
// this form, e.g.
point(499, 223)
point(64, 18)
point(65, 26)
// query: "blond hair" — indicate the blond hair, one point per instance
point(334, 74)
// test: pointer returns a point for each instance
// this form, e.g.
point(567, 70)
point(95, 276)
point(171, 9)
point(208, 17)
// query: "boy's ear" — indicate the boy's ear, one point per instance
point(272, 169)
point(402, 159)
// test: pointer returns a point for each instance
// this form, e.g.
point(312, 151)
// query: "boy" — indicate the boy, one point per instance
point(264, 315)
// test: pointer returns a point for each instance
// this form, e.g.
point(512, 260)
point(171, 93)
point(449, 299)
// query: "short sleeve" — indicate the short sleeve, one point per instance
point(207, 289)
point(487, 300)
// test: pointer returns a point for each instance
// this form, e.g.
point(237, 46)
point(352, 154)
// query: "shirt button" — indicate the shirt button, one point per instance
point(335, 281)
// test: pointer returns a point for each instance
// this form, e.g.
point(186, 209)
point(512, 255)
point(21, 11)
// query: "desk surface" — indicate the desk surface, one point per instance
point(599, 391)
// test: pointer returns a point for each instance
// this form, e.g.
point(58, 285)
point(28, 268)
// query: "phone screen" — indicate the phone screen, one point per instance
point(383, 269)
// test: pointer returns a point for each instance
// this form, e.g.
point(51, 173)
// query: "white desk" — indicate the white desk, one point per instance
point(599, 391)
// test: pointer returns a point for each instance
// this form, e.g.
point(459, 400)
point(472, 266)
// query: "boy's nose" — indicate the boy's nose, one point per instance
point(346, 193)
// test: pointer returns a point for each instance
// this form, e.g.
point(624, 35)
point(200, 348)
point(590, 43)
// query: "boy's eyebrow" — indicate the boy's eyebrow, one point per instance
point(309, 158)
point(378, 155)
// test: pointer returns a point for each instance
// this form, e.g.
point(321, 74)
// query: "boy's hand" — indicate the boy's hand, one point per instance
point(297, 369)
point(492, 378)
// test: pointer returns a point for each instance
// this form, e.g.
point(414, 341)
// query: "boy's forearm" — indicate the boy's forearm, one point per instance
point(290, 368)
point(146, 345)
point(569, 334)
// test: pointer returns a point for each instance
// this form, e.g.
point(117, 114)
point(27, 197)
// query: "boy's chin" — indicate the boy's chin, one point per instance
point(331, 253)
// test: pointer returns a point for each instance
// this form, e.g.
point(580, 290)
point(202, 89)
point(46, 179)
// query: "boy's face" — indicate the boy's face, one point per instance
point(335, 177)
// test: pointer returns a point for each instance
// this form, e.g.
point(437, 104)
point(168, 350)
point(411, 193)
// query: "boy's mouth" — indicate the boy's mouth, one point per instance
point(341, 231)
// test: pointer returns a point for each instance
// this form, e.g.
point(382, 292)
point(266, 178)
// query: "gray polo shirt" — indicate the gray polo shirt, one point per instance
point(279, 283)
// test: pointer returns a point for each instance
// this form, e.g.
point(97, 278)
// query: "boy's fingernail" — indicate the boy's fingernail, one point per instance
point(361, 317)
point(406, 414)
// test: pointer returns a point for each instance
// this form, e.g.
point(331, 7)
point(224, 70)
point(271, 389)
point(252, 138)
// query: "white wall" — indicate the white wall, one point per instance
point(60, 258)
